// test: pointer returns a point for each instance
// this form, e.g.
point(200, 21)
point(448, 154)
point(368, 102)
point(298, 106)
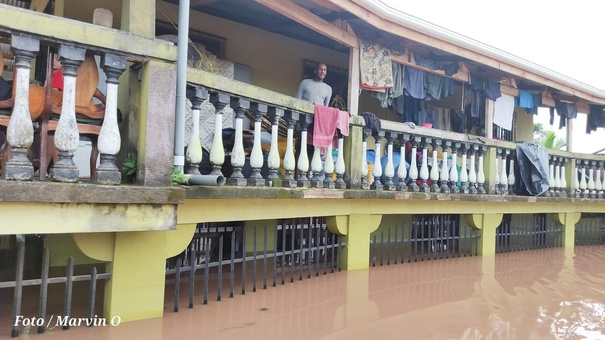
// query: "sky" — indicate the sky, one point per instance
point(555, 34)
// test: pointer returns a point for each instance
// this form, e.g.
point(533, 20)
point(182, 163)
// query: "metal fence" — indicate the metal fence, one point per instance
point(65, 319)
point(527, 232)
point(427, 237)
point(590, 230)
point(253, 256)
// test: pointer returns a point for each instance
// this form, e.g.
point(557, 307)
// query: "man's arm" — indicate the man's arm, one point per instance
point(301, 89)
point(327, 100)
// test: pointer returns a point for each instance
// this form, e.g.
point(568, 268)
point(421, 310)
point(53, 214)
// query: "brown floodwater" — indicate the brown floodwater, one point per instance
point(542, 294)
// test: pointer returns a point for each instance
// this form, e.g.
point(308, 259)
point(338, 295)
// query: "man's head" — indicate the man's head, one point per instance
point(320, 72)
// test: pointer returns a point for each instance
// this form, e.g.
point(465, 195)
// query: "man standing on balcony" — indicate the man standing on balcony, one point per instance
point(315, 90)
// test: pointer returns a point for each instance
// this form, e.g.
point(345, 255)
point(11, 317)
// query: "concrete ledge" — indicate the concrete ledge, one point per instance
point(52, 192)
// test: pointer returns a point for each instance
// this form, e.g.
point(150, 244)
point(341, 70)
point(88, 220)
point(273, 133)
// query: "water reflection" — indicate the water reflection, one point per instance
point(542, 294)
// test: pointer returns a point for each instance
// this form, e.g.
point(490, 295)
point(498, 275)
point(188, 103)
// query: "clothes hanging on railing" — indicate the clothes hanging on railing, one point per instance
point(372, 122)
point(325, 122)
point(375, 65)
point(413, 83)
point(504, 108)
point(596, 118)
point(438, 87)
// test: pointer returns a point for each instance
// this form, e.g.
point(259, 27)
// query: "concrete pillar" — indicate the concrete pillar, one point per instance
point(138, 17)
point(487, 223)
point(137, 263)
point(152, 106)
point(568, 221)
point(356, 229)
point(352, 155)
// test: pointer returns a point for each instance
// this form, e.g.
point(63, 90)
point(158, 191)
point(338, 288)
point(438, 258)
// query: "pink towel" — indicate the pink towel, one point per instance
point(343, 122)
point(324, 125)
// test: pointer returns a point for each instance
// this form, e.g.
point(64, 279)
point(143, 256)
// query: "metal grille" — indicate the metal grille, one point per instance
point(590, 230)
point(69, 279)
point(254, 256)
point(528, 232)
point(428, 237)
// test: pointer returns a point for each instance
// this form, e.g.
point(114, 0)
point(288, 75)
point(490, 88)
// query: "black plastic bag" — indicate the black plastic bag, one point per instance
point(531, 170)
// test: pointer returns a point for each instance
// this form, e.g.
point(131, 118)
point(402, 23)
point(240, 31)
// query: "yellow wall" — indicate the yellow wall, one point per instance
point(82, 10)
point(524, 125)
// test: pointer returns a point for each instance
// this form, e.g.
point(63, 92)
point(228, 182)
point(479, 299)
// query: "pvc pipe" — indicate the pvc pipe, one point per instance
point(181, 84)
point(213, 180)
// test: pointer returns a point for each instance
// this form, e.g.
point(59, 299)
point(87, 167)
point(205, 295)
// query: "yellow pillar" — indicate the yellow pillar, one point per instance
point(568, 221)
point(487, 223)
point(137, 263)
point(356, 229)
point(358, 308)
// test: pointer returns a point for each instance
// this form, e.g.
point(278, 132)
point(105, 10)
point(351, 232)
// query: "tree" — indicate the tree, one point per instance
point(548, 139)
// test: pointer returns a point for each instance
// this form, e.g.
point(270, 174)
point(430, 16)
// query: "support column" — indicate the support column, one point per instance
point(356, 229)
point(568, 221)
point(137, 263)
point(138, 17)
point(487, 223)
point(353, 154)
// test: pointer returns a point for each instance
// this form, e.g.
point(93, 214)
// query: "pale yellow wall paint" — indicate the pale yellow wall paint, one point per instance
point(260, 235)
point(487, 223)
point(49, 218)
point(62, 246)
point(568, 220)
point(356, 253)
point(82, 10)
point(275, 60)
point(524, 125)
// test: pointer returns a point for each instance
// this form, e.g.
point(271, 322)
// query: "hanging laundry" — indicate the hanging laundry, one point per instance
point(325, 122)
point(504, 108)
point(492, 89)
point(375, 64)
point(596, 118)
point(537, 103)
point(526, 99)
point(425, 62)
point(450, 69)
point(437, 86)
point(565, 110)
point(372, 122)
point(413, 82)
point(386, 97)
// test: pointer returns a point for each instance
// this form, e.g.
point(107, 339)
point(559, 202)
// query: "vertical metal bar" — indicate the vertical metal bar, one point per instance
point(254, 260)
point(244, 261)
point(373, 252)
point(402, 242)
point(292, 248)
point(232, 265)
point(177, 285)
point(92, 292)
point(465, 241)
point(414, 230)
point(389, 246)
point(332, 258)
point(317, 243)
point(422, 227)
point(283, 252)
point(441, 239)
point(18, 285)
point(476, 242)
point(275, 257)
point(192, 264)
point(220, 269)
point(339, 252)
point(265, 258)
point(68, 290)
point(310, 248)
point(381, 245)
point(206, 267)
point(325, 239)
point(301, 254)
point(396, 245)
point(44, 288)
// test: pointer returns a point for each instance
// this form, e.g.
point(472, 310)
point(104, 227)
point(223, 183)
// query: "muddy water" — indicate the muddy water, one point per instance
point(544, 294)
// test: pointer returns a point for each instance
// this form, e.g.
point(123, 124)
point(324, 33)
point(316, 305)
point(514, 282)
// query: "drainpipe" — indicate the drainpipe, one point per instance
point(181, 85)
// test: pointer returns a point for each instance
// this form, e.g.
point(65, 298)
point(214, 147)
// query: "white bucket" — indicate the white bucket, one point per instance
point(102, 17)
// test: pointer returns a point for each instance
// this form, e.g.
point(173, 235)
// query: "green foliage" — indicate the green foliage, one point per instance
point(548, 139)
point(178, 177)
point(130, 167)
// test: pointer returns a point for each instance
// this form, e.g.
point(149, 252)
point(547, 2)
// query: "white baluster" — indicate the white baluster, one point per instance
point(511, 176)
point(481, 174)
point(329, 168)
point(591, 186)
point(551, 176)
point(424, 169)
point(340, 165)
point(453, 169)
point(194, 147)
point(503, 177)
point(364, 163)
point(20, 132)
point(444, 175)
point(413, 173)
point(273, 157)
point(316, 180)
point(583, 184)
point(472, 175)
point(557, 177)
point(377, 169)
point(303, 157)
point(217, 151)
point(563, 179)
point(434, 173)
point(497, 178)
point(598, 185)
point(289, 159)
point(576, 180)
point(463, 172)
point(389, 169)
point(401, 170)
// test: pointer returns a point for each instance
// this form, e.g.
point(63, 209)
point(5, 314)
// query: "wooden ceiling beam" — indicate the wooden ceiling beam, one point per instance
point(310, 20)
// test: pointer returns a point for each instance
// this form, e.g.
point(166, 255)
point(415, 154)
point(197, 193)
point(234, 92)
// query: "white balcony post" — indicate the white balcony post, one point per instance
point(583, 183)
point(551, 176)
point(273, 159)
point(591, 184)
point(557, 176)
point(303, 157)
point(20, 132)
point(340, 164)
point(434, 174)
point(503, 177)
point(256, 155)
point(563, 179)
point(472, 175)
point(66, 135)
point(316, 180)
point(481, 171)
point(217, 151)
point(511, 175)
point(454, 168)
point(424, 167)
point(109, 138)
point(377, 169)
point(497, 168)
point(445, 173)
point(329, 168)
point(463, 172)
point(364, 160)
point(238, 154)
point(413, 173)
point(389, 169)
point(599, 184)
point(401, 170)
point(289, 159)
point(194, 147)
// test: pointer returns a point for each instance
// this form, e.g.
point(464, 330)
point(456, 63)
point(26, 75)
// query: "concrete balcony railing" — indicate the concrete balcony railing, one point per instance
point(418, 159)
